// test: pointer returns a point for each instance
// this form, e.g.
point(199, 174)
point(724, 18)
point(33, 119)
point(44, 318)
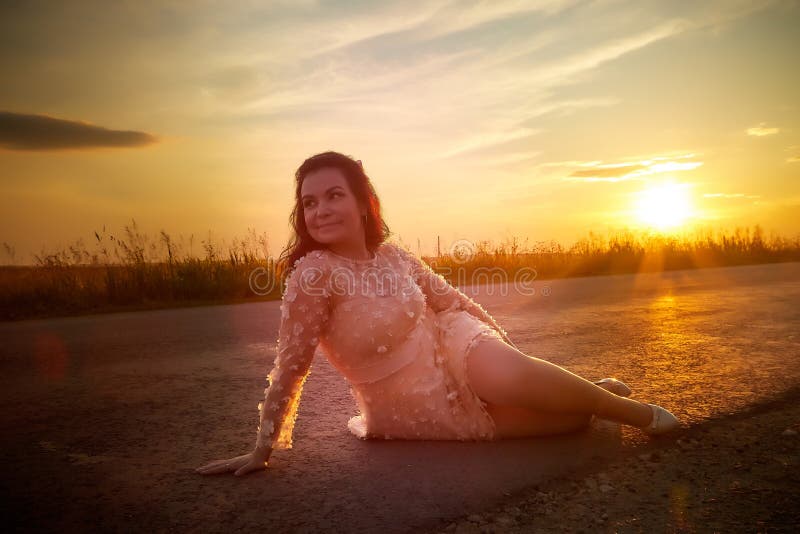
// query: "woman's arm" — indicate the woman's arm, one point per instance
point(305, 310)
point(441, 295)
point(304, 317)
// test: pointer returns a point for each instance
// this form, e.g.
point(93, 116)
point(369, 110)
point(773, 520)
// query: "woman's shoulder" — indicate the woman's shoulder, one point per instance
point(309, 274)
point(403, 254)
point(316, 257)
point(393, 247)
point(313, 265)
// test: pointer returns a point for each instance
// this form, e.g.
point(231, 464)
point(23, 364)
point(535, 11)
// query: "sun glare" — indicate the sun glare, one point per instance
point(664, 206)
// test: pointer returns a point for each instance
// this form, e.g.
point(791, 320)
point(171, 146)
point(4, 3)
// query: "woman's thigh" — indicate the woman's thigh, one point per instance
point(497, 371)
point(500, 374)
point(515, 422)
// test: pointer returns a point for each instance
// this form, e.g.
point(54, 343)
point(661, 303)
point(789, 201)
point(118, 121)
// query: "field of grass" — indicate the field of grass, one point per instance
point(132, 271)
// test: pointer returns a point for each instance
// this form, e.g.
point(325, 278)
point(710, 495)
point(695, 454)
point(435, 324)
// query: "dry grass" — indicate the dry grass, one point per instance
point(132, 271)
point(621, 253)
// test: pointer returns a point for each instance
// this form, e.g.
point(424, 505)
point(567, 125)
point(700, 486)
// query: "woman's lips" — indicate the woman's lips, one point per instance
point(322, 226)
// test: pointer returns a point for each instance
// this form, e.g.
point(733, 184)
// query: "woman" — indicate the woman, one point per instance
point(424, 361)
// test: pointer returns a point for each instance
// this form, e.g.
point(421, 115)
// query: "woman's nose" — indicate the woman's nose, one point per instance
point(323, 209)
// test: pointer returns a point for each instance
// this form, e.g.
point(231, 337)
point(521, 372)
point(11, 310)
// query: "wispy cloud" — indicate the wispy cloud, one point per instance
point(20, 131)
point(618, 172)
point(794, 156)
point(370, 24)
point(509, 158)
point(461, 16)
point(479, 142)
point(761, 130)
point(486, 70)
point(729, 195)
point(673, 166)
point(610, 173)
point(428, 21)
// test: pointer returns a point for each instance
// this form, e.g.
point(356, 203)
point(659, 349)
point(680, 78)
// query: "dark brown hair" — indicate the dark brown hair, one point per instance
point(301, 242)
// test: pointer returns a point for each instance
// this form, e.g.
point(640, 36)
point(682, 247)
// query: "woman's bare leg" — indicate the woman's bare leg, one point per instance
point(502, 375)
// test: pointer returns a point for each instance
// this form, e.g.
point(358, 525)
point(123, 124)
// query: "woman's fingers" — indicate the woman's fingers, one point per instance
point(252, 465)
point(243, 470)
point(213, 468)
point(208, 466)
point(219, 466)
point(240, 465)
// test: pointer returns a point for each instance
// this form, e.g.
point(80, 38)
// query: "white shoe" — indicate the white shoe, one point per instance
point(663, 421)
point(617, 387)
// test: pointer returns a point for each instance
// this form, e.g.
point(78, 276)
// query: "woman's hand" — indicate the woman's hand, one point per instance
point(240, 465)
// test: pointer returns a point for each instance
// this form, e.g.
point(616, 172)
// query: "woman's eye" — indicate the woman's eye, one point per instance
point(310, 203)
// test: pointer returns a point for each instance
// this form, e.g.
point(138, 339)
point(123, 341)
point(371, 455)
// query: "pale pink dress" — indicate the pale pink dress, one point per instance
point(398, 332)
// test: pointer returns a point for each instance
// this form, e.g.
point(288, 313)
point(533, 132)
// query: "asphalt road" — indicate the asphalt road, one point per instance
point(104, 418)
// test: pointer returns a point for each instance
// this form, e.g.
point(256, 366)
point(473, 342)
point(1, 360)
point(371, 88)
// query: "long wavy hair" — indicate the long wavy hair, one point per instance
point(301, 242)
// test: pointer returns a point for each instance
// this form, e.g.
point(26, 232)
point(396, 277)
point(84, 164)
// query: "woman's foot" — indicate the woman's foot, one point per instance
point(662, 422)
point(617, 387)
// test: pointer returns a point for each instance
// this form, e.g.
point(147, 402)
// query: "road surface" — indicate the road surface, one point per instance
point(105, 417)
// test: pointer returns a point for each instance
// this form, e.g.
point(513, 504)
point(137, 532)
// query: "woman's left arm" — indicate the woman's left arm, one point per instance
point(441, 295)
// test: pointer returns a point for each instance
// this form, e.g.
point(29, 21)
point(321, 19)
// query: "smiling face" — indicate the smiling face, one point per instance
point(331, 211)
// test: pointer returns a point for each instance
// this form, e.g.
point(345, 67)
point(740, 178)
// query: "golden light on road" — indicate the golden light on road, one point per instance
point(664, 206)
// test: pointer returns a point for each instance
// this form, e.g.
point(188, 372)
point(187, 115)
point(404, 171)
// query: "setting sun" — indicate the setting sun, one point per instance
point(664, 206)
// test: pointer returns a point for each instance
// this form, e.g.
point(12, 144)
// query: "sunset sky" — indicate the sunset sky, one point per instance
point(475, 120)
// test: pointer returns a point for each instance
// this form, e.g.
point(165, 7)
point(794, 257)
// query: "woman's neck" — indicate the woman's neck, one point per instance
point(353, 251)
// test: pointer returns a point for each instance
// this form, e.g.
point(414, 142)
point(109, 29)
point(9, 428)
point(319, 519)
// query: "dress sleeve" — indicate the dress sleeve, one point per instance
point(305, 310)
point(441, 295)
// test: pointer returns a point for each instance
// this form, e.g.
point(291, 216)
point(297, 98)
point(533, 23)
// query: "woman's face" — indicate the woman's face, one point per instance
point(330, 209)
